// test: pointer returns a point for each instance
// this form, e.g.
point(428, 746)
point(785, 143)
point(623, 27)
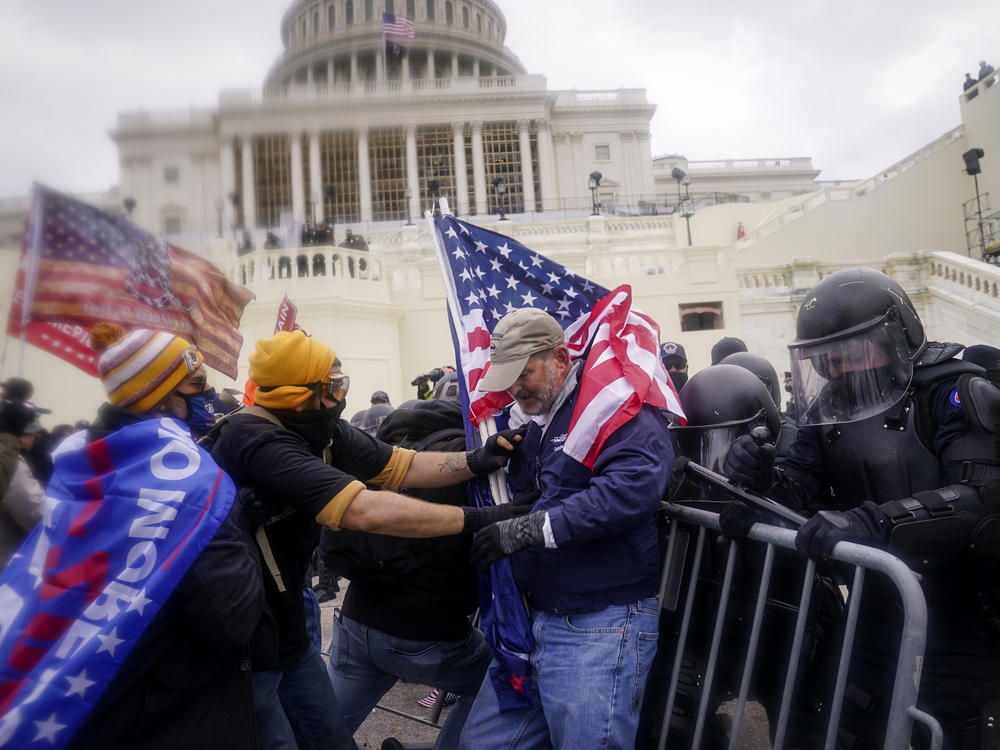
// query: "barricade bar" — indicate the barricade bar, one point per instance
point(689, 583)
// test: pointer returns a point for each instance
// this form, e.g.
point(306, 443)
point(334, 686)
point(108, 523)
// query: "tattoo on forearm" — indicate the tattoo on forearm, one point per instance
point(454, 462)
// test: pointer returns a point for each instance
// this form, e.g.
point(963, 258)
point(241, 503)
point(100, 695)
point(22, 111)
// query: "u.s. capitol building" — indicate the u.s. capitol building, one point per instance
point(349, 132)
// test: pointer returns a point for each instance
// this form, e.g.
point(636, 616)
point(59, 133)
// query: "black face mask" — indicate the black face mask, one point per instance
point(316, 426)
point(678, 379)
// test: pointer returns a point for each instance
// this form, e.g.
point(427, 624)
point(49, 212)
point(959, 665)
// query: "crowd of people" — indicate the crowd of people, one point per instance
point(886, 439)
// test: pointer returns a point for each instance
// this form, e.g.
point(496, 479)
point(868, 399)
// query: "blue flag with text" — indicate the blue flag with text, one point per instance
point(124, 519)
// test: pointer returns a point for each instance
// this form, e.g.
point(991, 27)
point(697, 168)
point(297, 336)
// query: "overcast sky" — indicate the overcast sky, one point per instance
point(855, 84)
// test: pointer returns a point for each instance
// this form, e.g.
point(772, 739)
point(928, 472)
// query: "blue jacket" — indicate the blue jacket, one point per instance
point(602, 521)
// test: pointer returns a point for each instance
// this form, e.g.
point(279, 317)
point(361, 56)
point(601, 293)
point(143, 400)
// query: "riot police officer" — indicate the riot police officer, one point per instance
point(897, 446)
point(767, 375)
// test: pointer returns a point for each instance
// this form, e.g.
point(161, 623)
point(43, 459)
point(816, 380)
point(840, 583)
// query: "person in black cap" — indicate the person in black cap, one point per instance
point(726, 346)
point(675, 362)
point(987, 357)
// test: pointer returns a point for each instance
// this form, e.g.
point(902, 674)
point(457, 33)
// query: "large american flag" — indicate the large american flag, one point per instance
point(80, 266)
point(489, 274)
point(399, 26)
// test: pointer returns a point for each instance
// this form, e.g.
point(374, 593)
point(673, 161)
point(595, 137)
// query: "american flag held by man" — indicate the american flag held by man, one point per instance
point(488, 275)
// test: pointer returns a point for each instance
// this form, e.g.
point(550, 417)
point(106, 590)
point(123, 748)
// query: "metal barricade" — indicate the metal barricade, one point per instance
point(687, 523)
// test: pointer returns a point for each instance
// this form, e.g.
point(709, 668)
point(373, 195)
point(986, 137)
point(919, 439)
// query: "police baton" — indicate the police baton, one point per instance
point(759, 502)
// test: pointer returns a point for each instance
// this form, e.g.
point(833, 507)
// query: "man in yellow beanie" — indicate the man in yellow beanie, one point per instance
point(300, 467)
point(140, 589)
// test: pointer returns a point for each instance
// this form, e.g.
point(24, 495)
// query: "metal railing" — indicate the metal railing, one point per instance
point(902, 712)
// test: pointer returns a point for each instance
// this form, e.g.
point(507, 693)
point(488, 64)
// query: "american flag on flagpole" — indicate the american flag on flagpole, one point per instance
point(397, 26)
point(80, 266)
point(486, 276)
point(489, 274)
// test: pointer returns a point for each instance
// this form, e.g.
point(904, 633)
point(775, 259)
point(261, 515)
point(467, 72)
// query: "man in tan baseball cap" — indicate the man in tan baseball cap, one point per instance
point(528, 358)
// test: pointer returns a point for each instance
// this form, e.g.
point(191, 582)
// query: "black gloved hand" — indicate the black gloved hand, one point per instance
point(507, 537)
point(476, 518)
point(750, 463)
point(527, 498)
point(736, 518)
point(490, 457)
point(866, 524)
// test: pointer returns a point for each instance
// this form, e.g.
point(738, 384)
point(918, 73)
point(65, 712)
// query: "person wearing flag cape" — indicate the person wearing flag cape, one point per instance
point(586, 557)
point(125, 616)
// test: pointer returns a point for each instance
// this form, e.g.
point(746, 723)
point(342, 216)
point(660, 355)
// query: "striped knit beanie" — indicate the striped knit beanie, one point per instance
point(283, 364)
point(139, 369)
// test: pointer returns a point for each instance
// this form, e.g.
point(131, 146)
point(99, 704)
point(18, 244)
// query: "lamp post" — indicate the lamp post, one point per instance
point(331, 192)
point(407, 194)
point(592, 183)
point(685, 207)
point(313, 200)
point(234, 198)
point(218, 212)
point(500, 185)
point(434, 192)
point(971, 158)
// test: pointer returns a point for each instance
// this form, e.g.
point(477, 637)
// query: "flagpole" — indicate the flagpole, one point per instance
point(33, 255)
point(488, 427)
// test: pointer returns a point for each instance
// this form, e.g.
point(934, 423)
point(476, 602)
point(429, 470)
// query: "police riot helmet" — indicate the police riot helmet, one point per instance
point(857, 338)
point(760, 367)
point(721, 403)
point(447, 388)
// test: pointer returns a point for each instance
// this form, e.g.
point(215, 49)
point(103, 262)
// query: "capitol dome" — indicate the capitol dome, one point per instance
point(340, 42)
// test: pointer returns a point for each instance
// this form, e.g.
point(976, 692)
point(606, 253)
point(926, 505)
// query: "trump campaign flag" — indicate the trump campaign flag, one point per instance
point(124, 518)
point(486, 276)
point(80, 266)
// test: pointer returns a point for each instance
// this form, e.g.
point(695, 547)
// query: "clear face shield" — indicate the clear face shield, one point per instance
point(851, 378)
point(707, 445)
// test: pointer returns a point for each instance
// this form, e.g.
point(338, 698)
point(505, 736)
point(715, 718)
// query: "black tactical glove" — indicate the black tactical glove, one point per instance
point(490, 456)
point(866, 524)
point(736, 518)
point(476, 518)
point(507, 537)
point(750, 463)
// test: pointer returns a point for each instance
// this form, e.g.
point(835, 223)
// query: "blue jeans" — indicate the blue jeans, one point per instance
point(590, 669)
point(365, 663)
point(295, 708)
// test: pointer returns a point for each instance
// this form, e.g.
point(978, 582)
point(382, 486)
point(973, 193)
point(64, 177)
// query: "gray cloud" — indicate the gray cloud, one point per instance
point(856, 85)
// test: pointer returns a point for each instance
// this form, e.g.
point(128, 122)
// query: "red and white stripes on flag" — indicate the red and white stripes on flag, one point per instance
point(622, 372)
point(397, 26)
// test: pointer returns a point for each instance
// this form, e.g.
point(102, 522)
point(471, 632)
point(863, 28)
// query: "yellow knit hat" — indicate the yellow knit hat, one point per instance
point(283, 364)
point(139, 369)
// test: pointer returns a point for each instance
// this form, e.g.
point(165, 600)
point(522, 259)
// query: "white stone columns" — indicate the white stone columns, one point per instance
point(315, 179)
point(379, 67)
point(405, 71)
point(527, 174)
point(580, 190)
point(430, 64)
point(354, 70)
point(412, 181)
point(249, 185)
point(461, 178)
point(546, 165)
point(329, 72)
point(227, 172)
point(364, 175)
point(454, 65)
point(628, 180)
point(475, 67)
point(478, 166)
point(298, 183)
